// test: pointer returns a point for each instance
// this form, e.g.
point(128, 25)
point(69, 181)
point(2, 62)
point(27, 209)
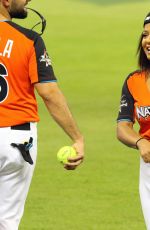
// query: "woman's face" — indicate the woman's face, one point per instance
point(146, 40)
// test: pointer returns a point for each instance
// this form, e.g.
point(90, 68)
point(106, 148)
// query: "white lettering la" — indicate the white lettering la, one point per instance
point(8, 48)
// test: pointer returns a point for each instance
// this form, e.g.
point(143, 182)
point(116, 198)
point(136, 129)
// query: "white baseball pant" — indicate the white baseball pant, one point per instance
point(144, 188)
point(15, 175)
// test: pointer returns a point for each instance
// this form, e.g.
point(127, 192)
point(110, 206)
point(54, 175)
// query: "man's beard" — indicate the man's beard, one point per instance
point(16, 12)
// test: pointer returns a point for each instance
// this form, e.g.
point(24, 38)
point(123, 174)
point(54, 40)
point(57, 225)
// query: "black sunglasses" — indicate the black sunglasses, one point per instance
point(43, 21)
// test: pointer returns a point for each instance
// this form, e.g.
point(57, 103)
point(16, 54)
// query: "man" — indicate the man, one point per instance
point(25, 65)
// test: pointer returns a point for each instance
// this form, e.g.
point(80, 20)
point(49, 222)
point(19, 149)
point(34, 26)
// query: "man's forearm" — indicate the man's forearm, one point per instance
point(58, 108)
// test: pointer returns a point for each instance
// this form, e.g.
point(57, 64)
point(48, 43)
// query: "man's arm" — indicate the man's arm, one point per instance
point(58, 108)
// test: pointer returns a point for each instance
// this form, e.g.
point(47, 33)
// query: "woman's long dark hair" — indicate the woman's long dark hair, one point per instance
point(143, 62)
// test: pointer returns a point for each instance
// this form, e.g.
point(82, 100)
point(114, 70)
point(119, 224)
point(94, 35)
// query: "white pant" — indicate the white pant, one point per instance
point(15, 175)
point(144, 188)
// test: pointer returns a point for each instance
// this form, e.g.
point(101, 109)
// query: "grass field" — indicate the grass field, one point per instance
point(93, 48)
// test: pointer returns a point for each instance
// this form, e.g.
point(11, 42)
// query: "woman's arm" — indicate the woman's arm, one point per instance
point(127, 135)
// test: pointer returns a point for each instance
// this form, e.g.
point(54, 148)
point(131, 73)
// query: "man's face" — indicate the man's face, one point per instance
point(17, 8)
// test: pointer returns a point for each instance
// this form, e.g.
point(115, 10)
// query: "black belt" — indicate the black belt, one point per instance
point(25, 126)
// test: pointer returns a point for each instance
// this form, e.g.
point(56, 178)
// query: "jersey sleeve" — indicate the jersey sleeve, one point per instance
point(126, 111)
point(40, 67)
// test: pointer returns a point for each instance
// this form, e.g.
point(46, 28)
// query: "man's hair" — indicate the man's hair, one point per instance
point(143, 62)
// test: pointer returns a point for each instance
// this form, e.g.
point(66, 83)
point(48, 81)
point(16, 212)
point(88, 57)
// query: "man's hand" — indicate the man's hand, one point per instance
point(76, 161)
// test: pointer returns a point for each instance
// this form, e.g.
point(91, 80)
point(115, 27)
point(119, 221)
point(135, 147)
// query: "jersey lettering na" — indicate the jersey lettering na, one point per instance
point(23, 62)
point(135, 102)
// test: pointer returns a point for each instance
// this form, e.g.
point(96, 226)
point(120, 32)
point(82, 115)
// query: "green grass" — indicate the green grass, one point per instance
point(93, 49)
point(108, 2)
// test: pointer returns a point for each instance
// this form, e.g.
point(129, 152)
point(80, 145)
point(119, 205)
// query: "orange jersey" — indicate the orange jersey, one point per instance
point(135, 102)
point(23, 62)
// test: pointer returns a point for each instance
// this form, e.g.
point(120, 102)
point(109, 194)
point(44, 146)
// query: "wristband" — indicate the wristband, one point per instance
point(138, 141)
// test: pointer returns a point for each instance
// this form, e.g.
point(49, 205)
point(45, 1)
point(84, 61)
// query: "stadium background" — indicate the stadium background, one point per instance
point(93, 45)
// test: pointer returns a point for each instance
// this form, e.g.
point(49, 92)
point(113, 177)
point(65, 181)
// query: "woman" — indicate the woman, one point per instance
point(135, 105)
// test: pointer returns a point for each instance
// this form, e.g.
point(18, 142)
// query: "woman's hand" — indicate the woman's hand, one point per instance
point(144, 148)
